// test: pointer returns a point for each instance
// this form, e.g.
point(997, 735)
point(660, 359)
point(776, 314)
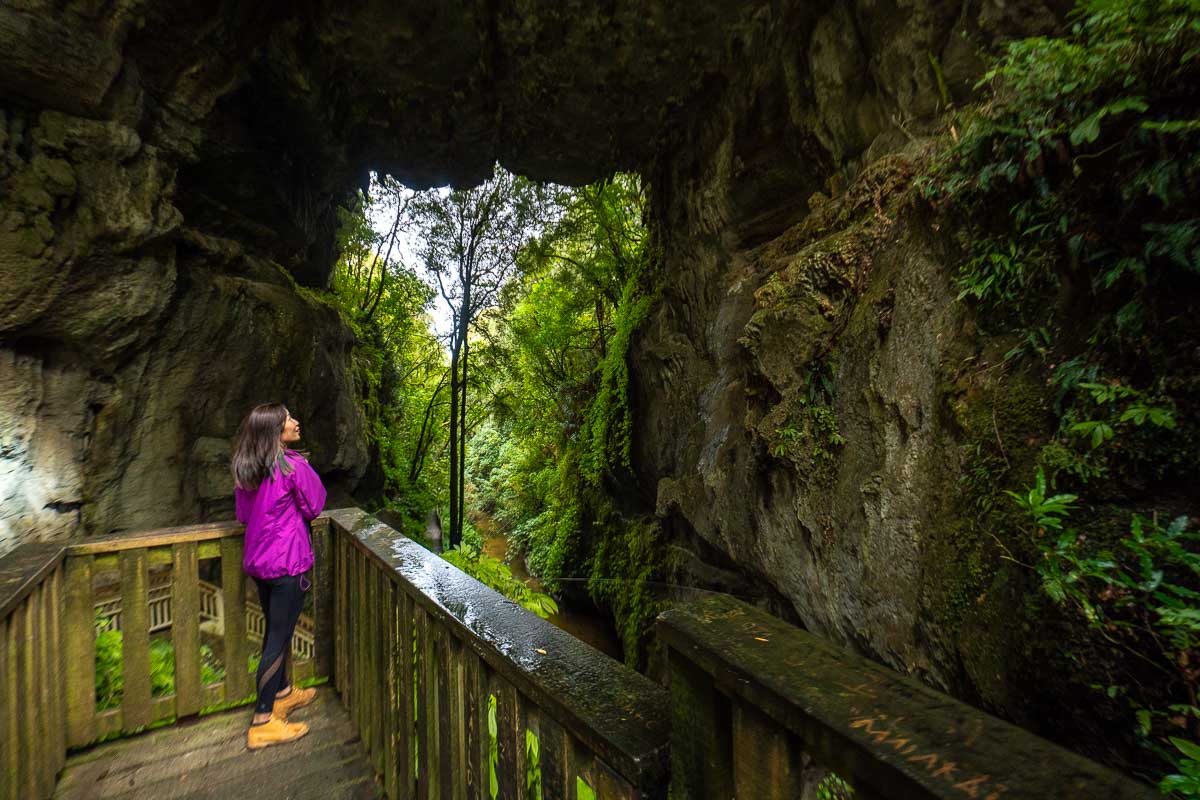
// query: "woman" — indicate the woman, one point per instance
point(277, 494)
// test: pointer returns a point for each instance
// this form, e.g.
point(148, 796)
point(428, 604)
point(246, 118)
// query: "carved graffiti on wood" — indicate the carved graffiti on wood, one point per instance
point(888, 732)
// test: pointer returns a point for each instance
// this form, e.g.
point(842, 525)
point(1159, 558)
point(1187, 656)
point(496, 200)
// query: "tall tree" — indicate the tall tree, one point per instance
point(470, 240)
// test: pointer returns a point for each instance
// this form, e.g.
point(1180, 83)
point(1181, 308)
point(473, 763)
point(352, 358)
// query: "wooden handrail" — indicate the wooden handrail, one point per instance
point(595, 720)
point(761, 706)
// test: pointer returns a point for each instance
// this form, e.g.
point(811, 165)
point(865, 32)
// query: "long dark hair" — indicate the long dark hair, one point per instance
point(258, 450)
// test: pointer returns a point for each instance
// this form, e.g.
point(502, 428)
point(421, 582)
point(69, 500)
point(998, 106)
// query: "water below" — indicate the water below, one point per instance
point(585, 624)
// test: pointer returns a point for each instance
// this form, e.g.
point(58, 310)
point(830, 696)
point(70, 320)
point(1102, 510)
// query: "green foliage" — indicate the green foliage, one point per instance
point(496, 574)
point(110, 680)
point(1082, 139)
point(1140, 596)
point(493, 748)
point(1046, 512)
point(834, 787)
point(1187, 782)
point(398, 362)
point(533, 766)
point(558, 446)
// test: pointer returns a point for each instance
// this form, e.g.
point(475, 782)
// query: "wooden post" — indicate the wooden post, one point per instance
point(555, 748)
point(9, 701)
point(79, 652)
point(323, 602)
point(135, 641)
point(456, 718)
point(238, 683)
point(58, 668)
point(764, 763)
point(407, 697)
point(185, 628)
point(475, 709)
point(700, 734)
point(427, 772)
point(390, 646)
point(510, 762)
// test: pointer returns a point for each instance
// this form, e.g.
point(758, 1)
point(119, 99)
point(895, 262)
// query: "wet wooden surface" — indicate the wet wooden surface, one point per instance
point(207, 758)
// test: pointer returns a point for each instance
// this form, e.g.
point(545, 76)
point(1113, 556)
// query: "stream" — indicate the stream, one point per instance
point(586, 624)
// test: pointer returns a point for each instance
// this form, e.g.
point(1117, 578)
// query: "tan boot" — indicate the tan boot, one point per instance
point(297, 698)
point(274, 731)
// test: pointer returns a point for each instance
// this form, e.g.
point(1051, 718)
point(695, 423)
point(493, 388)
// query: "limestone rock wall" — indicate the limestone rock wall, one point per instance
point(801, 390)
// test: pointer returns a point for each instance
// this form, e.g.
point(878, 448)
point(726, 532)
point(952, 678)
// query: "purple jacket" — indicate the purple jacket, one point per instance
point(276, 516)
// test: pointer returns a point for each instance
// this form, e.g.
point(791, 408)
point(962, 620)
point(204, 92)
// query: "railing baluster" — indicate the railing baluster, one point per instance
point(510, 758)
point(701, 757)
point(185, 628)
point(764, 764)
point(408, 718)
point(427, 772)
point(456, 719)
point(362, 687)
point(48, 675)
point(555, 758)
point(376, 656)
point(341, 625)
point(135, 641)
point(60, 684)
point(475, 711)
point(445, 748)
point(79, 652)
point(238, 683)
point(391, 689)
point(323, 570)
point(29, 701)
point(8, 707)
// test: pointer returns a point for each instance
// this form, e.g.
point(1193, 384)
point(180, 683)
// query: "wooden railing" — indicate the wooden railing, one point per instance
point(764, 710)
point(32, 691)
point(430, 661)
point(448, 682)
point(212, 610)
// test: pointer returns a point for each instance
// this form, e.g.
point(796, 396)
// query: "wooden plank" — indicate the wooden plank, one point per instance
point(391, 706)
point(510, 760)
point(361, 681)
point(427, 773)
point(611, 786)
point(475, 719)
point(28, 766)
point(185, 627)
point(24, 569)
point(408, 715)
point(135, 640)
point(47, 674)
point(583, 766)
point(153, 538)
point(701, 747)
point(764, 765)
point(9, 700)
point(376, 655)
point(59, 669)
point(238, 682)
point(340, 678)
point(79, 652)
point(456, 718)
point(558, 782)
point(445, 762)
point(322, 533)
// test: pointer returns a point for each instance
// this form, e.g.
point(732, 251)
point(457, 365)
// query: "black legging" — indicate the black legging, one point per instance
point(281, 600)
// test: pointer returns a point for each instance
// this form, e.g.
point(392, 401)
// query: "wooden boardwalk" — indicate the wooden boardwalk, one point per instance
point(207, 758)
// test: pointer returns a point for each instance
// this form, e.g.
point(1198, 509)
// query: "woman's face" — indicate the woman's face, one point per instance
point(291, 430)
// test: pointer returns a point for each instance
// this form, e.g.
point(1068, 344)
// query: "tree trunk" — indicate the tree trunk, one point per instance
point(462, 432)
point(454, 510)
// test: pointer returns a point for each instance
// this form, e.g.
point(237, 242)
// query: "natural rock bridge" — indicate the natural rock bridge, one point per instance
point(435, 682)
